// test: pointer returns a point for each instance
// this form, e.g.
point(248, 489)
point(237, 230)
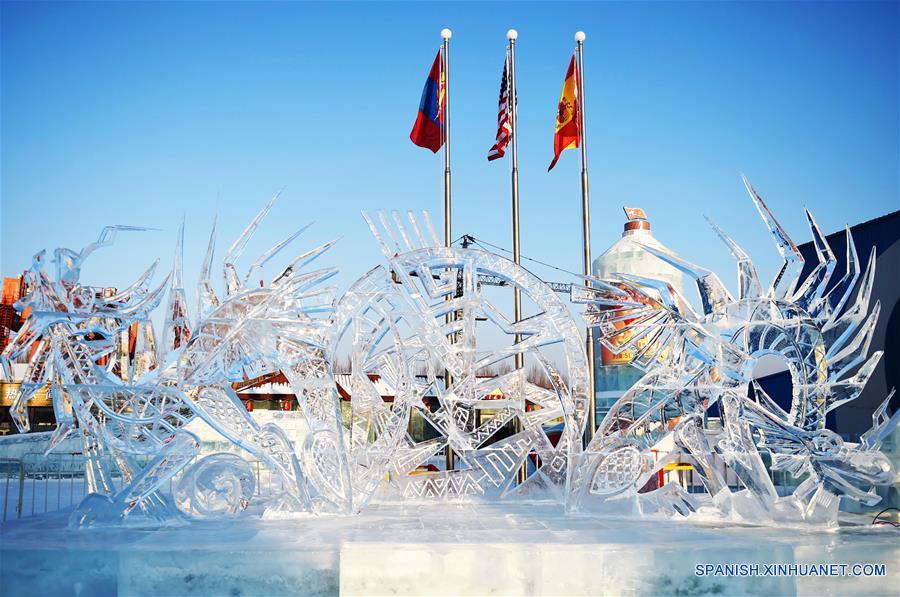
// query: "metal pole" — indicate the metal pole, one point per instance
point(446, 34)
point(586, 236)
point(21, 488)
point(512, 35)
point(6, 493)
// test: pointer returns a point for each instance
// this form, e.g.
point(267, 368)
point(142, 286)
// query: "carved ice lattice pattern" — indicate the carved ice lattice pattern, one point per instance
point(416, 326)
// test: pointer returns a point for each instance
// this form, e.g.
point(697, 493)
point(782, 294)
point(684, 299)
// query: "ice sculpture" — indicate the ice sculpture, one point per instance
point(131, 404)
point(414, 326)
point(695, 360)
point(503, 402)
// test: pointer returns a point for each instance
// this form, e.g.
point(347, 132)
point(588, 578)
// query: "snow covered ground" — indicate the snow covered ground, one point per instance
point(477, 549)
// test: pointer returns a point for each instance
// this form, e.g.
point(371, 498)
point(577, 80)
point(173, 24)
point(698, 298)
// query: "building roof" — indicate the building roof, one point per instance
point(268, 389)
point(385, 390)
point(888, 217)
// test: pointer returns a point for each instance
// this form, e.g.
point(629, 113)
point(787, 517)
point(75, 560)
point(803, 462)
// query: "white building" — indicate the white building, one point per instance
point(613, 374)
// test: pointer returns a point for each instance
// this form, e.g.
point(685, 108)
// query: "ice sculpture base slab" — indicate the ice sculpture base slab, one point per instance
point(435, 549)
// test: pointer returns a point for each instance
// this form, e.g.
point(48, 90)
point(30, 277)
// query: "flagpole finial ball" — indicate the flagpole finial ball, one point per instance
point(579, 36)
point(446, 34)
point(512, 34)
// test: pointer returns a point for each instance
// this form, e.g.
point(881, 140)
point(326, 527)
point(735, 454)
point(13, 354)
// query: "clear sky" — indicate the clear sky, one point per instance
point(137, 113)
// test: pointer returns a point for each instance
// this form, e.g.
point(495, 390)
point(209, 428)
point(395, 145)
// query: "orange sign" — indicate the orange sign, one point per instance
point(9, 391)
point(635, 213)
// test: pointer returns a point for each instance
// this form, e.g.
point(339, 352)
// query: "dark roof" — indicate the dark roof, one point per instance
point(894, 215)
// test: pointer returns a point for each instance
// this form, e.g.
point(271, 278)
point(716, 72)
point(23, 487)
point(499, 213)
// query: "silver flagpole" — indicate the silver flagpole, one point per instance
point(512, 35)
point(586, 236)
point(446, 34)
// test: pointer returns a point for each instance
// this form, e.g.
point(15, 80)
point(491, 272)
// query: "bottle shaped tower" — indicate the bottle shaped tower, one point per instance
point(613, 373)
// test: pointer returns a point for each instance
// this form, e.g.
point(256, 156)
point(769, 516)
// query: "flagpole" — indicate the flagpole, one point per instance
point(446, 34)
point(586, 236)
point(512, 35)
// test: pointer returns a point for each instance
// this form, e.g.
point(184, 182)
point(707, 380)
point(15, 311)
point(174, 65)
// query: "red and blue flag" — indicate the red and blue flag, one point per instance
point(428, 131)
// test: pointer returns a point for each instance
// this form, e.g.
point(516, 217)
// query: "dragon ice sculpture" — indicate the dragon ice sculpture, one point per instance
point(464, 380)
point(694, 361)
point(131, 400)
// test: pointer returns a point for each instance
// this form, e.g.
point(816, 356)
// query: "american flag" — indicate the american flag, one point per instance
point(504, 125)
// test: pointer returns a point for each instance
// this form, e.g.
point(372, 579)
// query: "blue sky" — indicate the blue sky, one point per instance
point(137, 113)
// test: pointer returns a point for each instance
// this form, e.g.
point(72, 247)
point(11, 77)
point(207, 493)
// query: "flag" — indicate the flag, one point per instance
point(504, 118)
point(567, 134)
point(428, 131)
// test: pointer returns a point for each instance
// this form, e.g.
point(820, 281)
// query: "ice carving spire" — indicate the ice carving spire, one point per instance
point(825, 306)
point(206, 295)
point(793, 260)
point(815, 283)
point(176, 330)
point(265, 257)
point(748, 280)
point(232, 279)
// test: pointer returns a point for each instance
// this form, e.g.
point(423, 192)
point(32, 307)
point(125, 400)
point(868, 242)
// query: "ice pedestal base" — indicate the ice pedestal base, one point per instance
point(544, 569)
point(433, 550)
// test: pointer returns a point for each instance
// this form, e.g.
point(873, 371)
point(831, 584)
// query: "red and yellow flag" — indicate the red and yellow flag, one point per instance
point(568, 116)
